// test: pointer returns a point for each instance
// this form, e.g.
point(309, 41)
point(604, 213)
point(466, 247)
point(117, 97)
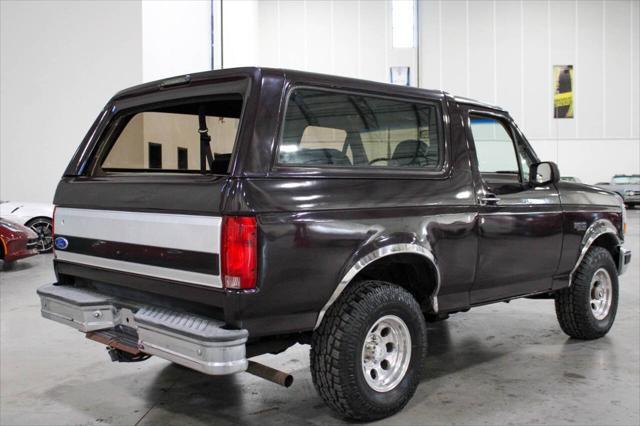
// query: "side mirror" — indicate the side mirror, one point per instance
point(544, 173)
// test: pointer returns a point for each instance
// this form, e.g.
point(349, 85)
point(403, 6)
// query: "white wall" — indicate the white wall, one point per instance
point(62, 60)
point(502, 52)
point(346, 37)
point(240, 36)
point(176, 38)
point(60, 63)
point(497, 51)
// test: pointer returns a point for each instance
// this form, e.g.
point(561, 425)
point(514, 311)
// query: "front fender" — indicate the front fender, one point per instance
point(597, 229)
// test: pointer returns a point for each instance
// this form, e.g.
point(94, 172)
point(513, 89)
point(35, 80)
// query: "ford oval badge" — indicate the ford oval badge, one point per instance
point(61, 243)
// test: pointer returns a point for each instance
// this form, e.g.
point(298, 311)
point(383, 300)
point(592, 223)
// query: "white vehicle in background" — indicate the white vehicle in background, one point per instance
point(37, 216)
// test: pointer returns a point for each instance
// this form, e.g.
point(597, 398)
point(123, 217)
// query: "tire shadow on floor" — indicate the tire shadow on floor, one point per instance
point(8, 268)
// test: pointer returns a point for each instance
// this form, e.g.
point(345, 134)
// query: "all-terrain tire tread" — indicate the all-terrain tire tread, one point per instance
point(573, 318)
point(328, 346)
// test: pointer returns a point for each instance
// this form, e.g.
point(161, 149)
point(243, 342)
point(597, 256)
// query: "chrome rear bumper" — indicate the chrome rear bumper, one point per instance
point(196, 342)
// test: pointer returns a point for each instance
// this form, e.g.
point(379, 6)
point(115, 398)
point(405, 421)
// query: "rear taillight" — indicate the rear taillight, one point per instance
point(239, 252)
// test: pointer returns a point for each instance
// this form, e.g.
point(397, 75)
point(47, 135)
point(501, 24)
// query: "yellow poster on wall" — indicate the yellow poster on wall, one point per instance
point(563, 95)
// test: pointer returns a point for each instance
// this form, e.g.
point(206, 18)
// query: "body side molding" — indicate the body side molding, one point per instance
point(404, 248)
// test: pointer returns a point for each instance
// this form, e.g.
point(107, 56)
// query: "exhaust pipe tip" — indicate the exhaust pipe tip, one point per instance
point(271, 374)
point(288, 381)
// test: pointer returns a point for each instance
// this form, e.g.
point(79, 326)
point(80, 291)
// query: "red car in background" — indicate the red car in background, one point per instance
point(16, 242)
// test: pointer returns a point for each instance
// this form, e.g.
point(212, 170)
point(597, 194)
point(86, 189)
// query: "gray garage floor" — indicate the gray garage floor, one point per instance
point(500, 364)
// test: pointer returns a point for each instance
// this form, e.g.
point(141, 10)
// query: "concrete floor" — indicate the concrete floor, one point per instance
point(499, 364)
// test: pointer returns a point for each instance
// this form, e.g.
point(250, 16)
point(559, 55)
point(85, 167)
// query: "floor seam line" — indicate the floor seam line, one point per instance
point(153, 406)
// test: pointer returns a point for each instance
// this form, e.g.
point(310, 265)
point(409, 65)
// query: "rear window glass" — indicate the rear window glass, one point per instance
point(323, 128)
point(186, 138)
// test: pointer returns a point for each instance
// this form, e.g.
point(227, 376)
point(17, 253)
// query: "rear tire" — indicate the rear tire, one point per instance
point(368, 354)
point(587, 309)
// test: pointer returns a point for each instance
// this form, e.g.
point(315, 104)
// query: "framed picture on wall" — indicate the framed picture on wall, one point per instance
point(399, 75)
point(563, 91)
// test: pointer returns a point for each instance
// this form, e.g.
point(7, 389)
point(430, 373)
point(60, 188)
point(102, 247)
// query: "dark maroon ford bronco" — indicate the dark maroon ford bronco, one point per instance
point(213, 217)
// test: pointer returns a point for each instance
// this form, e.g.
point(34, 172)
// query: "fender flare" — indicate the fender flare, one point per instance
point(597, 229)
point(364, 261)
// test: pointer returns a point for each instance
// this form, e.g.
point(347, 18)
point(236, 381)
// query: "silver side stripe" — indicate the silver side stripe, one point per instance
point(177, 231)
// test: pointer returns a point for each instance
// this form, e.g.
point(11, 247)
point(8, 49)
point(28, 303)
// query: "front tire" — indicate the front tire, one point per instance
point(587, 309)
point(368, 353)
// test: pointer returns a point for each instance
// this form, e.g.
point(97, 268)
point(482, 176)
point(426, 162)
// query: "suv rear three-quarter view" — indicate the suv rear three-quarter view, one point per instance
point(210, 218)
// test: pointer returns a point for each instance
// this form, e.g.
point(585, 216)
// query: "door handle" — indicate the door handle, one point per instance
point(489, 199)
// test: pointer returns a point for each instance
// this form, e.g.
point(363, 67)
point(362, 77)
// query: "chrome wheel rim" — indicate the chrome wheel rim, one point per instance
point(386, 353)
point(601, 293)
point(43, 228)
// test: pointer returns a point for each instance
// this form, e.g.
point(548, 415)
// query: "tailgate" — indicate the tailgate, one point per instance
point(176, 247)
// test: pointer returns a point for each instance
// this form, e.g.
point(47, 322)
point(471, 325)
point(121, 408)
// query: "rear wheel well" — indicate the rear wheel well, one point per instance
point(413, 272)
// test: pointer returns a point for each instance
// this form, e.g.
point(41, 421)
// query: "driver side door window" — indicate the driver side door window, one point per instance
point(494, 146)
point(498, 161)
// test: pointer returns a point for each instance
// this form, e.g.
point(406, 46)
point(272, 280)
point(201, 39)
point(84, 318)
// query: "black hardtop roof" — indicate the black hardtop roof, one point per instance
point(213, 76)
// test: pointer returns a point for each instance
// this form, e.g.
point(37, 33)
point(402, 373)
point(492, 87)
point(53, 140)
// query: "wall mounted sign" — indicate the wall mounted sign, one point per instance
point(399, 75)
point(563, 94)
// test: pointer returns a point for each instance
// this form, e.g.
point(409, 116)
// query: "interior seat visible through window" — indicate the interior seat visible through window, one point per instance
point(336, 129)
point(410, 152)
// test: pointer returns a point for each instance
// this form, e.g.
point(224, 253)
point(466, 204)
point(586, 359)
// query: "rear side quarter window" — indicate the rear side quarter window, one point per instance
point(325, 128)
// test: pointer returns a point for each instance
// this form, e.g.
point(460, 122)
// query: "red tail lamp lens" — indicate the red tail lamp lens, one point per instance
point(239, 252)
